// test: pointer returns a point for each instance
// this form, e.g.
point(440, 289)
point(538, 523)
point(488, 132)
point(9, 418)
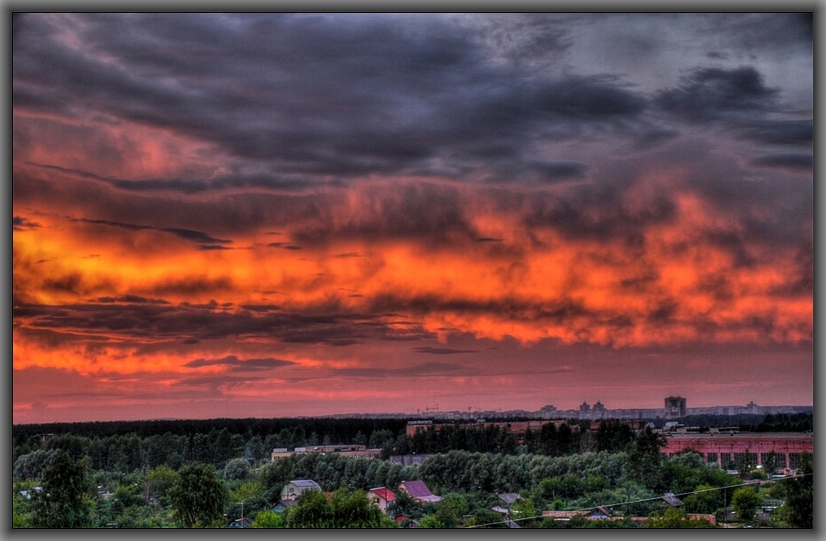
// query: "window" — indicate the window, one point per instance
point(779, 459)
point(711, 457)
point(794, 460)
point(725, 460)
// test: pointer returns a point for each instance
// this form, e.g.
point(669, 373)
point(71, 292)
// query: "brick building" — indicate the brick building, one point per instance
point(727, 449)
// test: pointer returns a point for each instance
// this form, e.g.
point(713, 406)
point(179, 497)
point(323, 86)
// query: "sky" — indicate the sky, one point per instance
point(280, 215)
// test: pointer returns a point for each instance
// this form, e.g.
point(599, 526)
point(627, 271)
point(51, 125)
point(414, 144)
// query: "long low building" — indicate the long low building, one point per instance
point(727, 449)
point(356, 450)
point(518, 428)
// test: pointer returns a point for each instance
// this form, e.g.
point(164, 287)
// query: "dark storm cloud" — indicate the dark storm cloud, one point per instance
point(378, 94)
point(527, 172)
point(430, 212)
point(507, 308)
point(186, 234)
point(600, 215)
point(802, 162)
point(189, 185)
point(261, 307)
point(778, 132)
point(442, 351)
point(148, 323)
point(241, 365)
point(227, 214)
point(653, 137)
point(20, 223)
point(131, 299)
point(780, 34)
point(714, 93)
point(284, 245)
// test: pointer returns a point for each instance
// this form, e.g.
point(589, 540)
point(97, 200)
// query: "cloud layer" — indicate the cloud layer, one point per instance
point(295, 196)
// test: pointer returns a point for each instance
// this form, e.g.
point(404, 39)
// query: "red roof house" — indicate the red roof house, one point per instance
point(383, 496)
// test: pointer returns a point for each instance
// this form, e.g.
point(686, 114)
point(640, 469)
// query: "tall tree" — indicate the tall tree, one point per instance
point(312, 510)
point(800, 496)
point(745, 502)
point(64, 501)
point(198, 497)
point(644, 458)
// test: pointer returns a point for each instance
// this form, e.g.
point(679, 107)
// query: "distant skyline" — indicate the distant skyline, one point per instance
point(280, 215)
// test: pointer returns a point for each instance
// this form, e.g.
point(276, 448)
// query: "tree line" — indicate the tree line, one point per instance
point(157, 479)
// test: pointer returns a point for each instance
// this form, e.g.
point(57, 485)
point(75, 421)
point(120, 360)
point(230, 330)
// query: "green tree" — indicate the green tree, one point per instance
point(706, 499)
point(448, 512)
point(644, 459)
point(237, 469)
point(745, 502)
point(799, 495)
point(275, 475)
point(31, 465)
point(198, 497)
point(18, 519)
point(405, 505)
point(352, 509)
point(345, 509)
point(158, 482)
point(522, 510)
point(485, 518)
point(64, 501)
point(360, 438)
point(312, 510)
point(268, 519)
point(613, 435)
point(246, 498)
point(379, 437)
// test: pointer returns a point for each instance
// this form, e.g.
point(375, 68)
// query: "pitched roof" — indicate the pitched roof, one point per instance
point(671, 499)
point(384, 493)
point(285, 503)
point(509, 497)
point(305, 483)
point(419, 491)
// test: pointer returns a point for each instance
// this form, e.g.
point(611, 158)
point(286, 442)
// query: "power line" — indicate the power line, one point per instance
point(586, 509)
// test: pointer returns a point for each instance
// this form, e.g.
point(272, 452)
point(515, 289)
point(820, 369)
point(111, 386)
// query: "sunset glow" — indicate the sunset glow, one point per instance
point(260, 215)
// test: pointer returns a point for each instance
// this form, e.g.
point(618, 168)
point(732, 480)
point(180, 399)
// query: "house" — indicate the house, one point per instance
point(296, 488)
point(283, 505)
point(509, 497)
point(407, 522)
point(672, 500)
point(28, 493)
point(243, 522)
point(383, 497)
point(419, 491)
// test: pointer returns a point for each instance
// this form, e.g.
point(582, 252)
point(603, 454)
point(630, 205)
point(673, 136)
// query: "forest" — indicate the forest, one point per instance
point(214, 473)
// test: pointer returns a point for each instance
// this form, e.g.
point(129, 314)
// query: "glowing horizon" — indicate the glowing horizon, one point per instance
point(223, 214)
